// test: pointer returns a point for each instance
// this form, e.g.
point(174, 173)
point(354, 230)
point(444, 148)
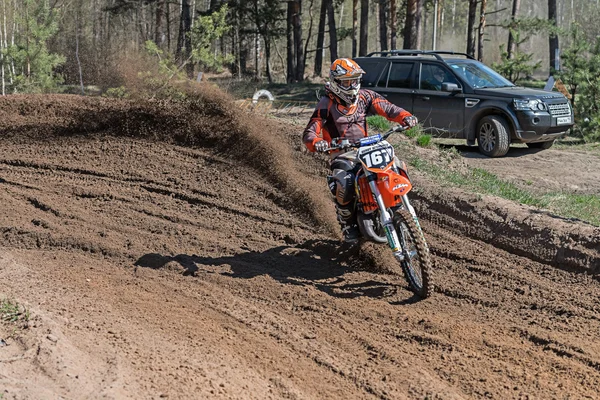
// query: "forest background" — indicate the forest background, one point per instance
point(47, 45)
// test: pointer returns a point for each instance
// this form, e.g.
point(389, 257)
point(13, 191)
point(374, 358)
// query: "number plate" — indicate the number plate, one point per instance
point(563, 120)
point(377, 156)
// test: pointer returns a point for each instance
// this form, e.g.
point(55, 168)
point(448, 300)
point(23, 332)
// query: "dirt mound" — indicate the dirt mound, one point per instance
point(522, 230)
point(205, 118)
point(157, 261)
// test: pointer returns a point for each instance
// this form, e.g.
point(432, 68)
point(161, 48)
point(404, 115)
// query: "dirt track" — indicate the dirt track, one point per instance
point(153, 269)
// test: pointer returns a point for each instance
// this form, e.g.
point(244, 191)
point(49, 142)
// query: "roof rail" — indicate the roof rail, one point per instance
point(435, 53)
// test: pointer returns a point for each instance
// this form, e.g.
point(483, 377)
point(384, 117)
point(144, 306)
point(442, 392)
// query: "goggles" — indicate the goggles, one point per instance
point(348, 83)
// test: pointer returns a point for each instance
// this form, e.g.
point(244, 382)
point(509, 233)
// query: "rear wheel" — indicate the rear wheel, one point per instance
point(416, 264)
point(541, 145)
point(493, 137)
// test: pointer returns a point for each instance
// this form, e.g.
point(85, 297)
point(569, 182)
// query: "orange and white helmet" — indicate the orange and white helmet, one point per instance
point(344, 80)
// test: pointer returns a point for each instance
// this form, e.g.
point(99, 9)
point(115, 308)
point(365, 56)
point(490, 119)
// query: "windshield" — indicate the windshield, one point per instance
point(479, 75)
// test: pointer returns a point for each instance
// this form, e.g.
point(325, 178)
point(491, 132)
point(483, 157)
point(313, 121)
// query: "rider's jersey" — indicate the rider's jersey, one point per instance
point(331, 120)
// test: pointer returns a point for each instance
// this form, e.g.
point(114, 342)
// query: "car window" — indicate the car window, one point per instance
point(383, 80)
point(372, 69)
point(433, 75)
point(400, 75)
point(479, 75)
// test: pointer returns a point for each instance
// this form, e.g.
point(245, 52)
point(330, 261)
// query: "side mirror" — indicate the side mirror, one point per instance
point(450, 87)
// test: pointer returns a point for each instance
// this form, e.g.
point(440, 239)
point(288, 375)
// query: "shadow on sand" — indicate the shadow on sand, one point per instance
point(320, 264)
point(473, 151)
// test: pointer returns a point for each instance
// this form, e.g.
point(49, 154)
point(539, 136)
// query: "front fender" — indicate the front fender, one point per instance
point(475, 114)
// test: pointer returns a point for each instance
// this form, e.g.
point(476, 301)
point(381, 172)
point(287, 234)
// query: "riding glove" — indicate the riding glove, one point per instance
point(410, 121)
point(321, 146)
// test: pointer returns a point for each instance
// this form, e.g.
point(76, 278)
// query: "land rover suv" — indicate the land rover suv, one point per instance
point(456, 96)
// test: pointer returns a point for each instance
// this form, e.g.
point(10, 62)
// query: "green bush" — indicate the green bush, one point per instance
point(117, 92)
point(581, 74)
point(517, 67)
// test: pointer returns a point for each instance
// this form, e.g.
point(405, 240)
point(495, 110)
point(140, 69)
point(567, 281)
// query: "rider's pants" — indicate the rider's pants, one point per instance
point(341, 183)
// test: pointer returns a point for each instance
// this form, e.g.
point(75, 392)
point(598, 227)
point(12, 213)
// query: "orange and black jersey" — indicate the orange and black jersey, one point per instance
point(331, 120)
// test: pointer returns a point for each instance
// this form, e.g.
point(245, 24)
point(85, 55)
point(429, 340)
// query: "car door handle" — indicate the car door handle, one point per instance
point(384, 94)
point(425, 98)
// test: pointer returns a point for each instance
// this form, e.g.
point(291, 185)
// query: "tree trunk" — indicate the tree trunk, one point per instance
point(184, 49)
point(364, 28)
point(244, 53)
point(418, 23)
point(453, 17)
point(481, 30)
point(393, 30)
point(297, 22)
point(553, 39)
point(470, 28)
point(257, 57)
point(291, 54)
point(77, 50)
point(320, 39)
point(168, 19)
point(411, 32)
point(158, 27)
point(354, 27)
point(310, 27)
point(333, 51)
point(438, 24)
point(511, 46)
point(383, 31)
point(268, 60)
point(214, 5)
point(2, 62)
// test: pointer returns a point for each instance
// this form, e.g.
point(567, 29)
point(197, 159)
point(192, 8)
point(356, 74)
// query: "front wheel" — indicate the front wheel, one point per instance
point(416, 264)
point(493, 136)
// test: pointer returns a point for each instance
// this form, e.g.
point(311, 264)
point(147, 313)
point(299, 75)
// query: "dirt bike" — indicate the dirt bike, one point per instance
point(384, 213)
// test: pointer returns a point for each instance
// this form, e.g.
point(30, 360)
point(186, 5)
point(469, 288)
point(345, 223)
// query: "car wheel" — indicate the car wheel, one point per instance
point(493, 136)
point(541, 145)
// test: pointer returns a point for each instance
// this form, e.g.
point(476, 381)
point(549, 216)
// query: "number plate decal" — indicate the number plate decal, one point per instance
point(378, 156)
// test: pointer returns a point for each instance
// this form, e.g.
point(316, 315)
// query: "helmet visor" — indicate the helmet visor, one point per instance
point(353, 83)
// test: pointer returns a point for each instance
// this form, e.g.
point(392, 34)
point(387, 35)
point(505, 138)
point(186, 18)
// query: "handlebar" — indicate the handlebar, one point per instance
point(344, 144)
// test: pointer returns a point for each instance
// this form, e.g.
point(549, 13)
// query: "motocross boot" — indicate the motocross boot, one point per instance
point(347, 219)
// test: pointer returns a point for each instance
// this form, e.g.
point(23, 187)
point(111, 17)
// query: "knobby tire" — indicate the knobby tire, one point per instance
point(422, 260)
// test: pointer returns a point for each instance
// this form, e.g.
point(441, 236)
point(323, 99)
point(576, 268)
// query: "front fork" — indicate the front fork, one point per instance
point(387, 222)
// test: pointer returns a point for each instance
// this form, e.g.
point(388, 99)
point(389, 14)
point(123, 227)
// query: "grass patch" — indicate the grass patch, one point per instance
point(567, 205)
point(414, 132)
point(378, 123)
point(577, 144)
point(11, 311)
point(424, 140)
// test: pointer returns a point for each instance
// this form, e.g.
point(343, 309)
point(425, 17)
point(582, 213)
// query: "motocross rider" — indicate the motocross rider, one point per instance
point(342, 113)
